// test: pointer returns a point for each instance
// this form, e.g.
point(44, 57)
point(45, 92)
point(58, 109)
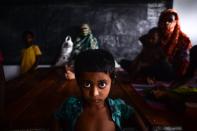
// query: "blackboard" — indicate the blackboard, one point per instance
point(116, 26)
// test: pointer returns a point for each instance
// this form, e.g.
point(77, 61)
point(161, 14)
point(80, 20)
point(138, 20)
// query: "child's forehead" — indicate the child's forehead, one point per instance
point(85, 26)
point(92, 75)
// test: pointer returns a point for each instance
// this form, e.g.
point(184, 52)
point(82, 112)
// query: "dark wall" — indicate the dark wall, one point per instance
point(116, 26)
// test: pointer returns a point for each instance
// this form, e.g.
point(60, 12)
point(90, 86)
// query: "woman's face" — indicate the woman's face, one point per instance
point(169, 23)
point(154, 38)
point(85, 30)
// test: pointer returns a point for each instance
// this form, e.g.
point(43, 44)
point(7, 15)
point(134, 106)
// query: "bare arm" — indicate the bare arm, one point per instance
point(35, 64)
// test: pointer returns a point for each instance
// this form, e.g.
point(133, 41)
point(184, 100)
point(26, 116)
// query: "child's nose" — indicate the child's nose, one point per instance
point(95, 91)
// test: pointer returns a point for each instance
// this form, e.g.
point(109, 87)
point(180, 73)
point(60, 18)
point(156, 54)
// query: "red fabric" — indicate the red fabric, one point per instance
point(1, 58)
point(177, 45)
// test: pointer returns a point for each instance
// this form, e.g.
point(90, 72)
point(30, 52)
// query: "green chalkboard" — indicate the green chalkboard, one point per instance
point(116, 26)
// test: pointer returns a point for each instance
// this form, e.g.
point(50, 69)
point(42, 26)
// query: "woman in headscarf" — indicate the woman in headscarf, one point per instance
point(173, 41)
point(84, 41)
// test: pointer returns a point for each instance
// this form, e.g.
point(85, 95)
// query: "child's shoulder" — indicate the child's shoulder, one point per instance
point(70, 107)
point(116, 101)
point(71, 101)
point(118, 104)
point(120, 108)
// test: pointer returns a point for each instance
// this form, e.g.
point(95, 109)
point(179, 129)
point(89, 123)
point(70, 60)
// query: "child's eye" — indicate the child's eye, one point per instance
point(87, 84)
point(102, 84)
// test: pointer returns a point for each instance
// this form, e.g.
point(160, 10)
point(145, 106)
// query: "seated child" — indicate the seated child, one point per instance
point(30, 54)
point(151, 62)
point(94, 110)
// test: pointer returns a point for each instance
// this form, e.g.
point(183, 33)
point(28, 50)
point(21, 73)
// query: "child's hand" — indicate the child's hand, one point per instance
point(69, 74)
point(150, 81)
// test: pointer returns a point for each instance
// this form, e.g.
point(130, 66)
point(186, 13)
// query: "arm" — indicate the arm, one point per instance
point(35, 64)
point(69, 73)
point(38, 53)
point(184, 63)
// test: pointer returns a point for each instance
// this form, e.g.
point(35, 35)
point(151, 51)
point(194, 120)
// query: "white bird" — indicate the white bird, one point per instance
point(67, 48)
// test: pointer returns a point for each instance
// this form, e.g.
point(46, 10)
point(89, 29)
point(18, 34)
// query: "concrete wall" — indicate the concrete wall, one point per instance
point(12, 71)
point(187, 10)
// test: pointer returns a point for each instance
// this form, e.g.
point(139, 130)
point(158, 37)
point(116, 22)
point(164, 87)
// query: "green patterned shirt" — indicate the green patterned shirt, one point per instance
point(83, 44)
point(72, 107)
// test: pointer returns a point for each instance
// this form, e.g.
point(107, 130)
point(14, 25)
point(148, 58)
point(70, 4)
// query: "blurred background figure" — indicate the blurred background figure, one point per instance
point(173, 41)
point(31, 54)
point(84, 41)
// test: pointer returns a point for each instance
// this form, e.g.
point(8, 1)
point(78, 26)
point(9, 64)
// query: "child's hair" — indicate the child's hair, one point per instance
point(97, 60)
point(27, 32)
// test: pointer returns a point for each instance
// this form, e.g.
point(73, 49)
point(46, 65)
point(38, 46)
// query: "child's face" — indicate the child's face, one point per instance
point(85, 30)
point(95, 87)
point(154, 38)
point(29, 38)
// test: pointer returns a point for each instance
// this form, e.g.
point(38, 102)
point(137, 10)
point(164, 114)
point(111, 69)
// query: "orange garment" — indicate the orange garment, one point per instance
point(1, 58)
point(177, 45)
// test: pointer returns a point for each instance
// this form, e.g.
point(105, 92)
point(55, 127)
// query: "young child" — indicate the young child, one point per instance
point(94, 111)
point(30, 54)
point(151, 63)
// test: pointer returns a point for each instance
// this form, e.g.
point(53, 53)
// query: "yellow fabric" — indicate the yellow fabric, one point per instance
point(29, 57)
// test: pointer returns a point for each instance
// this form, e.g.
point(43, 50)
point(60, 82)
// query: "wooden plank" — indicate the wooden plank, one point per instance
point(38, 114)
point(24, 111)
point(17, 88)
point(23, 102)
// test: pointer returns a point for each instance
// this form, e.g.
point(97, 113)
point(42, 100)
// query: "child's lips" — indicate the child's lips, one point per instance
point(95, 100)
